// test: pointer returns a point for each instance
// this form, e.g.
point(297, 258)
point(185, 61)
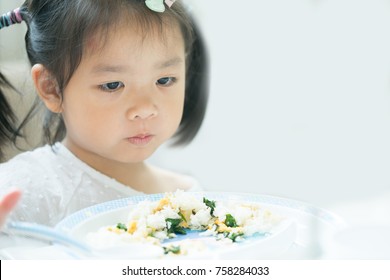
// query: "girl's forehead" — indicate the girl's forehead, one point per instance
point(133, 37)
point(130, 48)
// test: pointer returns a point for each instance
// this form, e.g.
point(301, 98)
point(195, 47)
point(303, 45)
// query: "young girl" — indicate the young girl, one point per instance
point(119, 78)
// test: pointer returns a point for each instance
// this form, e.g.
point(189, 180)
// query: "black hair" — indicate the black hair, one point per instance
point(55, 37)
point(8, 130)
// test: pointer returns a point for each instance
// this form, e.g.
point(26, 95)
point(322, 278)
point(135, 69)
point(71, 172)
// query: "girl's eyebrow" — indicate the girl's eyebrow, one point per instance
point(169, 63)
point(101, 68)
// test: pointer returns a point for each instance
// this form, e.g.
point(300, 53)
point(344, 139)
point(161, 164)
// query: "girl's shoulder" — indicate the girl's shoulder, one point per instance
point(25, 161)
point(32, 166)
point(36, 157)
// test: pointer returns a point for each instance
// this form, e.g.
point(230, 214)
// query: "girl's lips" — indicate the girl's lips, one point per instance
point(140, 140)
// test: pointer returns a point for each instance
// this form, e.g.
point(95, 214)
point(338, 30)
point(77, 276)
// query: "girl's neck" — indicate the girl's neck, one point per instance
point(129, 174)
point(134, 175)
point(139, 176)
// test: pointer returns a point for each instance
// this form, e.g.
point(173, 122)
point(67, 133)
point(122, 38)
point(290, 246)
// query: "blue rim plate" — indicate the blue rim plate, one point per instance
point(74, 220)
point(302, 215)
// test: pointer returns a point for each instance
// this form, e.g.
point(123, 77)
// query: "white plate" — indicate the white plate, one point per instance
point(301, 222)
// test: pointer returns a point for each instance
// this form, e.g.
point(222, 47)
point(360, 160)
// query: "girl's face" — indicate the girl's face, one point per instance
point(126, 98)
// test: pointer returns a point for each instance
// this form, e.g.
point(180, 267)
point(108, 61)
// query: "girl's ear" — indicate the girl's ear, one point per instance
point(47, 88)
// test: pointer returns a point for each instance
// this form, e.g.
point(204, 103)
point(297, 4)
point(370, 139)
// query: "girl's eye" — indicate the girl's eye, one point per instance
point(112, 86)
point(166, 81)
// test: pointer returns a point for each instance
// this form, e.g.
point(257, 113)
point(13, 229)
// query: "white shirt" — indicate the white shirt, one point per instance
point(55, 183)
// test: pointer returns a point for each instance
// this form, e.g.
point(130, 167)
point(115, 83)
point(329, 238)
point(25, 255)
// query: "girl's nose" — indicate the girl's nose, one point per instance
point(142, 109)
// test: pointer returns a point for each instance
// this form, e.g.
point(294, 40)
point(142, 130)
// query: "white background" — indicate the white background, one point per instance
point(299, 103)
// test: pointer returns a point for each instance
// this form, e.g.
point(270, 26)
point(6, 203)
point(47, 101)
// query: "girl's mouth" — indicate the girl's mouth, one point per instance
point(141, 139)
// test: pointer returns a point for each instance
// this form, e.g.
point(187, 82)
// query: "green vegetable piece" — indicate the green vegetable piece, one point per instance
point(173, 226)
point(210, 204)
point(121, 226)
point(180, 230)
point(182, 216)
point(230, 221)
point(233, 236)
point(173, 249)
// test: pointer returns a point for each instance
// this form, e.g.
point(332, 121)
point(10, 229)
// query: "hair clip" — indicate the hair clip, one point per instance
point(169, 2)
point(158, 5)
point(10, 18)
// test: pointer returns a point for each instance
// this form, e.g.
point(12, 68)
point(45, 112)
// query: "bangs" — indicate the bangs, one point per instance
point(146, 26)
point(89, 23)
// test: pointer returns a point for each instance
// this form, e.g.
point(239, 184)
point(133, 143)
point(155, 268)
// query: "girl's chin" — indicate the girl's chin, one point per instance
point(133, 157)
